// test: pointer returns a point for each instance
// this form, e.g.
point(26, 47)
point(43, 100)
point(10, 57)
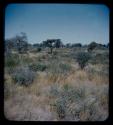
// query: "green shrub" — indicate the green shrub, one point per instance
point(100, 58)
point(61, 107)
point(82, 59)
point(38, 67)
point(65, 97)
point(92, 46)
point(59, 68)
point(26, 60)
point(23, 76)
point(58, 72)
point(80, 103)
point(66, 87)
point(54, 90)
point(55, 53)
point(39, 49)
point(11, 60)
point(64, 67)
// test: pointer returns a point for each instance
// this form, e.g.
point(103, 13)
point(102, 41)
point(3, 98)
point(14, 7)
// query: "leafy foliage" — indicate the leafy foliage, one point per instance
point(11, 60)
point(92, 46)
point(19, 43)
point(82, 59)
point(59, 68)
point(23, 76)
point(58, 43)
point(39, 49)
point(73, 103)
point(37, 67)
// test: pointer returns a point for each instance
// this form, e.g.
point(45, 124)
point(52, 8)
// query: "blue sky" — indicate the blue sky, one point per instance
point(72, 23)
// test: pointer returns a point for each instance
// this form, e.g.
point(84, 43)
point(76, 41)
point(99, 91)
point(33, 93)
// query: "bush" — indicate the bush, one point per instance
point(54, 90)
point(23, 76)
point(82, 59)
point(59, 68)
point(81, 103)
point(61, 107)
point(38, 67)
point(58, 71)
point(64, 67)
point(100, 58)
point(11, 60)
point(65, 98)
point(92, 46)
point(55, 53)
point(26, 60)
point(39, 49)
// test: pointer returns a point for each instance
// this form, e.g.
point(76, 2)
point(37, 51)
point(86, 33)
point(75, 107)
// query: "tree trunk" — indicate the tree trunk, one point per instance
point(51, 50)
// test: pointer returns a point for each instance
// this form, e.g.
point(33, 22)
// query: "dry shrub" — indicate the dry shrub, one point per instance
point(99, 77)
point(37, 67)
point(58, 71)
point(23, 76)
point(76, 104)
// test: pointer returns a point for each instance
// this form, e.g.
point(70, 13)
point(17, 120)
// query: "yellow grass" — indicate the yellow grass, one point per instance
point(33, 102)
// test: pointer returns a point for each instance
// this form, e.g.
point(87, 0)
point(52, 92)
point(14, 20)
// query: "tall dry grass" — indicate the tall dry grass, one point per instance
point(44, 99)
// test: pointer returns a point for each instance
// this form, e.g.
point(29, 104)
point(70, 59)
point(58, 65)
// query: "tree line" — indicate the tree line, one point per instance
point(20, 43)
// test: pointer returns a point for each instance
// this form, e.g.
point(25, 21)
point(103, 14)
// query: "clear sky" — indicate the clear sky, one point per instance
point(72, 23)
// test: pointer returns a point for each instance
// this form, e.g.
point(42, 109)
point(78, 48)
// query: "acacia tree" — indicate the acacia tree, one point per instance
point(21, 41)
point(44, 43)
point(58, 43)
point(76, 45)
point(50, 44)
point(92, 46)
point(68, 45)
point(9, 45)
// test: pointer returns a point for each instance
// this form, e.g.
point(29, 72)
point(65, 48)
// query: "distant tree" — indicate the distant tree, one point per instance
point(68, 45)
point(21, 41)
point(63, 45)
point(50, 44)
point(76, 45)
point(29, 46)
point(58, 43)
point(104, 45)
point(24, 36)
point(92, 46)
point(45, 44)
point(36, 45)
point(39, 49)
point(9, 45)
point(85, 46)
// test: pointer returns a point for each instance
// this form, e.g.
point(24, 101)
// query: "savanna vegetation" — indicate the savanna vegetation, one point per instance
point(53, 81)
